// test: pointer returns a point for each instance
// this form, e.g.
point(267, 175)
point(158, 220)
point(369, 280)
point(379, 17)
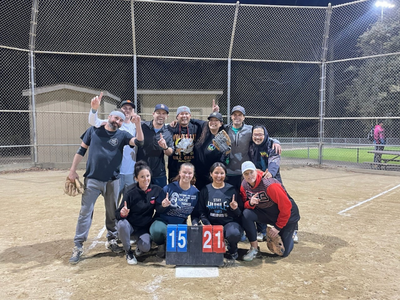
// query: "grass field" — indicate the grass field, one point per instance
point(355, 155)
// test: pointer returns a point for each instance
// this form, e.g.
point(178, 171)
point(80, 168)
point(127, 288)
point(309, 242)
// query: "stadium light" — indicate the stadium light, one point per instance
point(382, 5)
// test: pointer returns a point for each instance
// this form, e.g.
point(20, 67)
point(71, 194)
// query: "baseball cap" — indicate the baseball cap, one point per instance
point(162, 106)
point(216, 115)
point(127, 102)
point(183, 109)
point(248, 165)
point(238, 108)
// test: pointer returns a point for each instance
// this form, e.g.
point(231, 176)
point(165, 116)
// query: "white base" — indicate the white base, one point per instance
point(196, 272)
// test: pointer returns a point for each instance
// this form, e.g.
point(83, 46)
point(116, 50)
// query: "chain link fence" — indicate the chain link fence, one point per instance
point(317, 77)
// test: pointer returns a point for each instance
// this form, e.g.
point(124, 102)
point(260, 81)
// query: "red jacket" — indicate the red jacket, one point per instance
point(274, 200)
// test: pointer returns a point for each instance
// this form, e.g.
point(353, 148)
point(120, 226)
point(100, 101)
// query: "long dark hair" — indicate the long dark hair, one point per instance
point(178, 177)
point(205, 133)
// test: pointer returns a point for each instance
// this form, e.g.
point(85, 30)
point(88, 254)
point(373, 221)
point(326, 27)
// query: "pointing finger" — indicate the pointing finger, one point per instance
point(101, 95)
point(213, 102)
point(166, 197)
point(233, 198)
point(125, 205)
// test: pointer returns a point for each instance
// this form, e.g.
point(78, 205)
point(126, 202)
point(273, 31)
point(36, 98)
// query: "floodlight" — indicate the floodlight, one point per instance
point(384, 4)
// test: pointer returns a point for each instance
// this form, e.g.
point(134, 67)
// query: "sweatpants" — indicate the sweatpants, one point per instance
point(93, 189)
point(125, 230)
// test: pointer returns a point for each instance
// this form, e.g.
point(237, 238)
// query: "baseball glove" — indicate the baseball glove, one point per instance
point(275, 245)
point(73, 188)
point(222, 142)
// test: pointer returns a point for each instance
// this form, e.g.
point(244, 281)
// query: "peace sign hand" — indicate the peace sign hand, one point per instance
point(233, 204)
point(166, 202)
point(254, 200)
point(124, 212)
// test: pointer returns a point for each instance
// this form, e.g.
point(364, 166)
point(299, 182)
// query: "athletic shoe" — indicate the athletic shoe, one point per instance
point(261, 237)
point(243, 238)
point(161, 251)
point(251, 254)
point(76, 255)
point(233, 256)
point(113, 246)
point(130, 258)
point(138, 252)
point(295, 237)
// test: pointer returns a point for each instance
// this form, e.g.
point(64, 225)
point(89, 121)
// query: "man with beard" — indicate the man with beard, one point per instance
point(129, 154)
point(157, 143)
point(101, 177)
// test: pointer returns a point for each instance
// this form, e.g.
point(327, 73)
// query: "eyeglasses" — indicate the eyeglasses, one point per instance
point(258, 134)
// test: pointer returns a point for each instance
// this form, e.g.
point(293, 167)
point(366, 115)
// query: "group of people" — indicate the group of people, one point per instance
point(238, 188)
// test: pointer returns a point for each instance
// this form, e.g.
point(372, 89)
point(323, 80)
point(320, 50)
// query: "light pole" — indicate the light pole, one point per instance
point(382, 5)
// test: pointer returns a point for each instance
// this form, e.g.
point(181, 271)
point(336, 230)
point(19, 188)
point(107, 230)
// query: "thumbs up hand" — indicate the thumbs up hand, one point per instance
point(233, 204)
point(166, 202)
point(124, 212)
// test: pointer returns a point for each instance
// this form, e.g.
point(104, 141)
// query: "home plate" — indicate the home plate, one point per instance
point(196, 272)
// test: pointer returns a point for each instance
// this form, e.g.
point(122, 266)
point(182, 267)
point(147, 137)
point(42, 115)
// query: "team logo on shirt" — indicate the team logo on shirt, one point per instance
point(113, 142)
point(174, 200)
point(211, 147)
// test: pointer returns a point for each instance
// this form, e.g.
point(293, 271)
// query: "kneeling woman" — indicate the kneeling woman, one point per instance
point(174, 205)
point(219, 205)
point(135, 213)
point(266, 201)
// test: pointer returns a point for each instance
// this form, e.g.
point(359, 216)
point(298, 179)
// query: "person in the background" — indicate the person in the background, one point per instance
point(174, 205)
point(219, 204)
point(157, 143)
point(379, 140)
point(135, 214)
point(266, 200)
point(129, 158)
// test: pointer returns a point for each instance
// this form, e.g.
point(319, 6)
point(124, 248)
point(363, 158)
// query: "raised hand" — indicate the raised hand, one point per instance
point(166, 202)
point(254, 200)
point(161, 142)
point(215, 107)
point(124, 212)
point(136, 119)
point(95, 102)
point(233, 204)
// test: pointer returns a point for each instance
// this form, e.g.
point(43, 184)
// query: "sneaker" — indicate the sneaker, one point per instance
point(243, 238)
point(76, 255)
point(233, 256)
point(295, 237)
point(138, 252)
point(130, 258)
point(161, 251)
point(113, 246)
point(261, 237)
point(251, 254)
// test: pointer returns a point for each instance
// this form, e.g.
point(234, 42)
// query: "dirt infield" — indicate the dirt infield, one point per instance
point(353, 255)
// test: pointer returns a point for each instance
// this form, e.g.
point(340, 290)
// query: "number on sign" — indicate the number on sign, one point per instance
point(207, 238)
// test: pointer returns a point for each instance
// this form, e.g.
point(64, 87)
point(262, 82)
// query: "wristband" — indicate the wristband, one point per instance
point(165, 149)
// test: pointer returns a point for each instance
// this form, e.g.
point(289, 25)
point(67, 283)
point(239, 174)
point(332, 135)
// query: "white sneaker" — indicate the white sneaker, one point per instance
point(130, 258)
point(260, 236)
point(295, 237)
point(251, 254)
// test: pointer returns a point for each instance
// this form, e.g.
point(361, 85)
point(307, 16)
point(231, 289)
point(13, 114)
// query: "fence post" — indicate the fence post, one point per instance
point(32, 73)
point(323, 82)
point(134, 55)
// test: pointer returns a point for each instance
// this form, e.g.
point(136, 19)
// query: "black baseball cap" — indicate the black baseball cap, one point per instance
point(127, 102)
point(216, 115)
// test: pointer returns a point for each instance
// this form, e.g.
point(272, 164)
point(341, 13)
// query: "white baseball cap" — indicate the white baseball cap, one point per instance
point(248, 165)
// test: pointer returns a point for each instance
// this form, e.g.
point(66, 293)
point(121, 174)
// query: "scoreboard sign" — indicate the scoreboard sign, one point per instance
point(195, 245)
